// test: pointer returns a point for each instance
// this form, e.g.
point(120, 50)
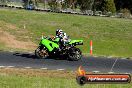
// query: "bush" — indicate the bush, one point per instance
point(109, 14)
point(108, 6)
point(125, 13)
point(54, 5)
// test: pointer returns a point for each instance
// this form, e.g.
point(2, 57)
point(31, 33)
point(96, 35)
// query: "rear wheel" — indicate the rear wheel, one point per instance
point(75, 54)
point(41, 52)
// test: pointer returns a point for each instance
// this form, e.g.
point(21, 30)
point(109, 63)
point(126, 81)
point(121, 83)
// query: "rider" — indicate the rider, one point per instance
point(63, 37)
point(59, 33)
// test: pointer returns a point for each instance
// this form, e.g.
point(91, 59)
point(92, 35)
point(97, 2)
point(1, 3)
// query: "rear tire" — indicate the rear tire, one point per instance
point(75, 54)
point(41, 52)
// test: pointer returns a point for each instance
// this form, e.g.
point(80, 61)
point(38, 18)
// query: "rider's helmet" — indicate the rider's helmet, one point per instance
point(59, 32)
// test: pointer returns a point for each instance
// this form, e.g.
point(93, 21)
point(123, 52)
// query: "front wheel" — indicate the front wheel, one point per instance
point(75, 54)
point(41, 52)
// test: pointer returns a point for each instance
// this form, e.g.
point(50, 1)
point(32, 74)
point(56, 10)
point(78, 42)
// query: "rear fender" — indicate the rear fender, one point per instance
point(76, 42)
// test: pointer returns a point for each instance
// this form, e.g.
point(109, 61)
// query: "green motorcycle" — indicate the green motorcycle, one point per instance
point(51, 47)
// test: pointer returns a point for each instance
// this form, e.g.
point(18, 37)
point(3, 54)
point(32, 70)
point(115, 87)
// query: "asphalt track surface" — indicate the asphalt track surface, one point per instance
point(90, 64)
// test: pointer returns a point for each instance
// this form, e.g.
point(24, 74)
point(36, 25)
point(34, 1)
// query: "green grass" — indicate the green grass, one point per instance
point(2, 45)
point(111, 36)
point(17, 81)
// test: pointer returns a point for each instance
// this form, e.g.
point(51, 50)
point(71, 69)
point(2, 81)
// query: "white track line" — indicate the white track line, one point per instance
point(127, 73)
point(60, 69)
point(95, 71)
point(27, 67)
point(2, 66)
point(123, 58)
point(10, 66)
point(95, 56)
point(44, 68)
point(110, 72)
point(30, 52)
point(109, 57)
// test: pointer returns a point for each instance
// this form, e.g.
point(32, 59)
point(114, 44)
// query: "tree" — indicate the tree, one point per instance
point(121, 4)
point(25, 3)
point(65, 4)
point(69, 4)
point(108, 6)
point(73, 3)
point(3, 2)
point(97, 5)
point(53, 5)
point(85, 4)
point(29, 2)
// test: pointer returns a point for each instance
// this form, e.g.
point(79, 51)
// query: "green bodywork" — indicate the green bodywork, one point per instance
point(49, 44)
point(56, 40)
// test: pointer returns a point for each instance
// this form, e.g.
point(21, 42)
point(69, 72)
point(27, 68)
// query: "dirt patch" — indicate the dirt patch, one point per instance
point(14, 37)
point(8, 25)
point(37, 73)
point(12, 27)
point(10, 41)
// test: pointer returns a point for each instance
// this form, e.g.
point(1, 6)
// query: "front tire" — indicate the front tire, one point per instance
point(41, 52)
point(75, 54)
